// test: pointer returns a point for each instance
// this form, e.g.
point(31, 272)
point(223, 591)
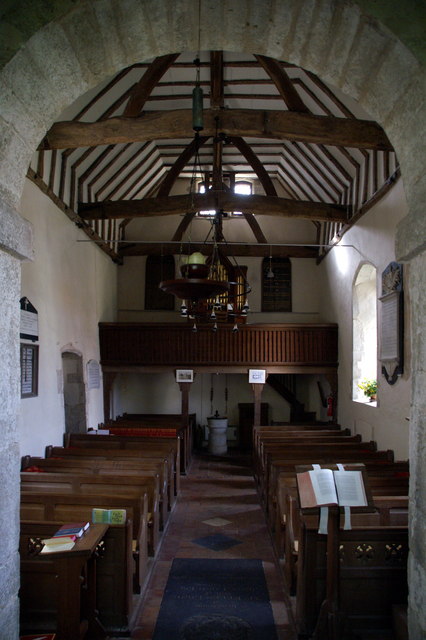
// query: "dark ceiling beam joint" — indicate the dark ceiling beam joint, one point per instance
point(147, 84)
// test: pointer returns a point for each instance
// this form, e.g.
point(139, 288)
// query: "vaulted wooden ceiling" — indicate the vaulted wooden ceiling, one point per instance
point(118, 157)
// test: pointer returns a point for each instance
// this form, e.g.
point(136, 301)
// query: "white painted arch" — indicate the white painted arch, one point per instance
point(73, 54)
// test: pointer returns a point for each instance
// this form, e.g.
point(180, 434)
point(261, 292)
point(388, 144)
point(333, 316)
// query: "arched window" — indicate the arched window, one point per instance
point(158, 268)
point(364, 321)
point(276, 284)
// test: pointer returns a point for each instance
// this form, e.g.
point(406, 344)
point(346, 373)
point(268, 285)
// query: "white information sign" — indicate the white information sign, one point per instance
point(93, 375)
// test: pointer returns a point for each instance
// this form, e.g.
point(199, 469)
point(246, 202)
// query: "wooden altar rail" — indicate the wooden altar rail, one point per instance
point(149, 344)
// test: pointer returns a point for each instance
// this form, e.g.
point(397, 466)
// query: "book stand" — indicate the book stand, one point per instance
point(331, 619)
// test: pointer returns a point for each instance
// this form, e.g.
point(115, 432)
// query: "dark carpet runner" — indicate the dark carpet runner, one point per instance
point(208, 599)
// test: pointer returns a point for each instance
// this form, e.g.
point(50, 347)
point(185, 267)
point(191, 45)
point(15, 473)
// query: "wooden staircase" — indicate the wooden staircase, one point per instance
point(285, 385)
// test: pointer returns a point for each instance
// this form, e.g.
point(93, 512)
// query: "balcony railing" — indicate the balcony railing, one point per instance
point(149, 344)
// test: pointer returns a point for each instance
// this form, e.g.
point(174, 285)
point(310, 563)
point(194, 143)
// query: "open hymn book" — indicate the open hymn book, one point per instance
point(325, 487)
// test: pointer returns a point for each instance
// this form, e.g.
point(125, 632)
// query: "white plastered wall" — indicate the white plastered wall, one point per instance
point(72, 284)
point(305, 293)
point(372, 240)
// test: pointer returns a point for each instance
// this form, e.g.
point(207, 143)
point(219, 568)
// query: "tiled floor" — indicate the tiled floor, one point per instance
point(219, 502)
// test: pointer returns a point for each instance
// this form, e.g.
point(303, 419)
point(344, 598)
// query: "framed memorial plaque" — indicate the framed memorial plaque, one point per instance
point(29, 370)
point(392, 323)
point(28, 321)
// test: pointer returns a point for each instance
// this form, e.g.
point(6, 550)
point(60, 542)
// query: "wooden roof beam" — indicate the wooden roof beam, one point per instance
point(160, 125)
point(180, 164)
point(147, 83)
point(177, 205)
point(255, 163)
point(230, 249)
point(216, 80)
point(283, 84)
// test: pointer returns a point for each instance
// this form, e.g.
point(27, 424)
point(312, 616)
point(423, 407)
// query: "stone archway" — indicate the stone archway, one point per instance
point(88, 44)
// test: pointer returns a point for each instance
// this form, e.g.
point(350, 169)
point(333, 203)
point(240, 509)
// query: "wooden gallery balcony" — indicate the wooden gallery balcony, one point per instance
point(278, 348)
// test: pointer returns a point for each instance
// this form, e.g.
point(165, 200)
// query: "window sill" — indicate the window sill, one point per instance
point(368, 403)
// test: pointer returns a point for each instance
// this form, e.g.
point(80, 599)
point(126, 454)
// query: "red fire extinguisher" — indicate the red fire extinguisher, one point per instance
point(330, 406)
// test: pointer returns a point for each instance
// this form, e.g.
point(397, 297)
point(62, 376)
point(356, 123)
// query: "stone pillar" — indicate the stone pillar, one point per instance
point(9, 445)
point(417, 558)
point(15, 242)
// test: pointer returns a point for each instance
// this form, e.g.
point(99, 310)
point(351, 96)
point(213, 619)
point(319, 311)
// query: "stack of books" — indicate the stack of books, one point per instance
point(65, 537)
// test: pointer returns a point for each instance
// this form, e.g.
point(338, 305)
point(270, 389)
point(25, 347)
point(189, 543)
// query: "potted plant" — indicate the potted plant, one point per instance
point(369, 387)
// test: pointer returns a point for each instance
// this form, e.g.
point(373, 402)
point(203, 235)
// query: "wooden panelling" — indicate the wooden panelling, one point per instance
point(175, 344)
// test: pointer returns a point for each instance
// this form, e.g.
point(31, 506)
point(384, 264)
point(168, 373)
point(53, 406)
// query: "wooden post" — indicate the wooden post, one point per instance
point(257, 392)
point(330, 619)
point(185, 388)
point(332, 380)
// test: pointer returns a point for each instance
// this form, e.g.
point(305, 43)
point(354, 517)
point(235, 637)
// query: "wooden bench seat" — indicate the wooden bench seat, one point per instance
point(330, 453)
point(318, 426)
point(65, 507)
point(267, 442)
point(91, 484)
point(390, 510)
point(372, 575)
point(153, 421)
point(148, 447)
point(101, 452)
point(283, 476)
point(49, 605)
point(137, 468)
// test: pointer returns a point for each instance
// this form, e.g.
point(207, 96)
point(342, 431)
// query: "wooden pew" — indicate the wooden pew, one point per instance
point(291, 439)
point(91, 484)
point(314, 452)
point(53, 597)
point(291, 426)
point(147, 447)
point(145, 421)
point(97, 451)
point(373, 575)
point(283, 477)
point(61, 507)
point(390, 510)
point(292, 431)
point(138, 468)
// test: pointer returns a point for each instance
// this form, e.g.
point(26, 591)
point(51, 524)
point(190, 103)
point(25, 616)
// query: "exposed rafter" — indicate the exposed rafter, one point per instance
point(149, 80)
point(286, 89)
point(180, 164)
point(311, 149)
point(255, 163)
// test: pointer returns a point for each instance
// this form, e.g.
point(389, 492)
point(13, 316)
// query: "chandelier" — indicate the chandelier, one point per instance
point(213, 288)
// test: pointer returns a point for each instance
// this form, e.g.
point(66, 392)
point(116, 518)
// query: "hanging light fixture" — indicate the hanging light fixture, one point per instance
point(206, 296)
point(203, 289)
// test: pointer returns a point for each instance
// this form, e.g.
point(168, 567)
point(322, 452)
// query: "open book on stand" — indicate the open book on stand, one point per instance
point(326, 487)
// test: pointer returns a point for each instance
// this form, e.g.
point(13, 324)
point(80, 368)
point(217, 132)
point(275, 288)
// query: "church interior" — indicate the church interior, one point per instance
point(213, 273)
